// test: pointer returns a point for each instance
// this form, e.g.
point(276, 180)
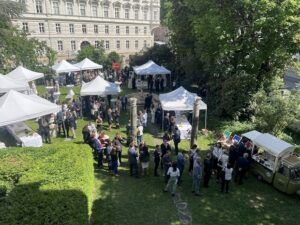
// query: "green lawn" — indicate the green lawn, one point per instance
point(125, 200)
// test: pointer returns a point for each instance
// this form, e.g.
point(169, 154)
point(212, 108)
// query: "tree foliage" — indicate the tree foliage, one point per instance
point(99, 56)
point(233, 48)
point(273, 111)
point(15, 48)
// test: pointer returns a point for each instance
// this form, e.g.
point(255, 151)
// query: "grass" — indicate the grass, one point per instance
point(125, 200)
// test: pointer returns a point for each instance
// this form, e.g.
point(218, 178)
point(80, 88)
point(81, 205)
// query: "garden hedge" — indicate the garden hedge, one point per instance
point(49, 185)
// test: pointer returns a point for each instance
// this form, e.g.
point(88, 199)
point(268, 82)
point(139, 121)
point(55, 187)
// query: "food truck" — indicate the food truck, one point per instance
point(274, 161)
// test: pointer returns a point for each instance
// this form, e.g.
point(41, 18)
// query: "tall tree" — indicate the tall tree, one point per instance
point(238, 46)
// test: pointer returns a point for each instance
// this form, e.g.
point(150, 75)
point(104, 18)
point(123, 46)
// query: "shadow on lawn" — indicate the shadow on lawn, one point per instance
point(27, 204)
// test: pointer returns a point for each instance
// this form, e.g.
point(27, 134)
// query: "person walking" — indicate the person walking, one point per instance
point(114, 161)
point(192, 154)
point(197, 173)
point(207, 169)
point(167, 162)
point(164, 147)
point(109, 118)
point(156, 154)
point(174, 174)
point(144, 159)
point(227, 178)
point(241, 167)
point(139, 134)
point(176, 139)
point(180, 165)
point(132, 160)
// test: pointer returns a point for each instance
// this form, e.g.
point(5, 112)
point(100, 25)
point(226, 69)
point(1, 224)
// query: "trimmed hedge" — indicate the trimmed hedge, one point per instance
point(49, 185)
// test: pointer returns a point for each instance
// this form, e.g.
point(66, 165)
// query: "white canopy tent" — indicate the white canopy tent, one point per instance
point(151, 68)
point(181, 100)
point(23, 74)
point(99, 87)
point(64, 67)
point(17, 107)
point(273, 144)
point(88, 64)
point(7, 84)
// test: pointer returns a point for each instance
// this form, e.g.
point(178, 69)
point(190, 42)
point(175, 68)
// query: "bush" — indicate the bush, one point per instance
point(54, 185)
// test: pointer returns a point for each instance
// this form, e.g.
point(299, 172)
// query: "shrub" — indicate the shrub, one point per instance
point(53, 187)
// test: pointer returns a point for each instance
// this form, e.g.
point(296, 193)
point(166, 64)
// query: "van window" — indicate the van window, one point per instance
point(295, 173)
point(284, 170)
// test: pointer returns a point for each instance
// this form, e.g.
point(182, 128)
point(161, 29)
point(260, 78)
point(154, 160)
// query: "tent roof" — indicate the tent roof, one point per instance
point(100, 87)
point(17, 107)
point(273, 144)
point(64, 67)
point(179, 100)
point(252, 134)
point(7, 84)
point(21, 73)
point(150, 68)
point(88, 64)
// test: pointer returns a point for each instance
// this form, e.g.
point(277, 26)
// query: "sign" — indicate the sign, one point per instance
point(116, 66)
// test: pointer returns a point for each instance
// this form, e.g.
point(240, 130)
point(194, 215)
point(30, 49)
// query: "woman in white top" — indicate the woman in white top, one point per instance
point(174, 174)
point(152, 114)
point(227, 178)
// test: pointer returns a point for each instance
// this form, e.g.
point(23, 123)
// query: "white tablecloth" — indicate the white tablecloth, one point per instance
point(32, 141)
point(184, 126)
point(2, 145)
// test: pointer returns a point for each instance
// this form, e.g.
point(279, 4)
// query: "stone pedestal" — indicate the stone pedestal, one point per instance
point(133, 117)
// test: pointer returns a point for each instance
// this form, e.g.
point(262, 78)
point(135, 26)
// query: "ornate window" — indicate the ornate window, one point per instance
point(41, 27)
point(60, 46)
point(25, 27)
point(136, 44)
point(117, 29)
point(97, 44)
point(57, 28)
point(83, 28)
point(82, 9)
point(106, 45)
point(106, 29)
point(39, 6)
point(117, 12)
point(126, 13)
point(145, 30)
point(118, 44)
point(73, 45)
point(136, 30)
point(55, 5)
point(96, 29)
point(127, 29)
point(105, 11)
point(127, 44)
point(70, 8)
point(155, 15)
point(95, 10)
point(71, 28)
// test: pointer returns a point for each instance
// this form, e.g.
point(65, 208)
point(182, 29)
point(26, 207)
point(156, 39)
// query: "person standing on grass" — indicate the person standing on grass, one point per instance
point(109, 118)
point(99, 123)
point(156, 154)
point(173, 173)
point(108, 155)
point(118, 144)
point(207, 169)
point(227, 178)
point(145, 118)
point(117, 118)
point(197, 173)
point(164, 147)
point(167, 162)
point(176, 139)
point(180, 165)
point(192, 154)
point(241, 167)
point(114, 161)
point(139, 134)
point(132, 160)
point(144, 159)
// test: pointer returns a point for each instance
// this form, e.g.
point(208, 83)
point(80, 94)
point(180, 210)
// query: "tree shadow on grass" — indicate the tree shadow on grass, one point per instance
point(28, 204)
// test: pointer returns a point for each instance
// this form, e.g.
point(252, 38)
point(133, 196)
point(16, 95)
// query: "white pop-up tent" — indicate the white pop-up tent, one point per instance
point(99, 87)
point(7, 84)
point(23, 74)
point(64, 67)
point(181, 100)
point(151, 68)
point(88, 64)
point(17, 107)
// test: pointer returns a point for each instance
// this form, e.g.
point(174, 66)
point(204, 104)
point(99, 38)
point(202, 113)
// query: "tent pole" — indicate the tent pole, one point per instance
point(162, 119)
point(205, 118)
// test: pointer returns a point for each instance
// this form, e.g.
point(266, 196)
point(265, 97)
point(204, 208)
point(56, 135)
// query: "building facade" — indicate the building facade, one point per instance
point(124, 26)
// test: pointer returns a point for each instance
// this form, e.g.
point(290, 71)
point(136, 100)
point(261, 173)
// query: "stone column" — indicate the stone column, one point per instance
point(195, 123)
point(133, 117)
